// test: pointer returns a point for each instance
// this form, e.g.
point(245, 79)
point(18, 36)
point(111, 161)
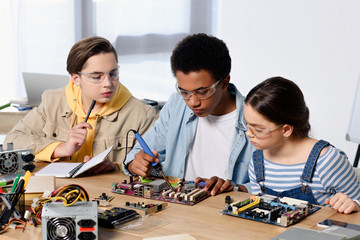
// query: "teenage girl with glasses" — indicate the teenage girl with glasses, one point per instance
point(287, 161)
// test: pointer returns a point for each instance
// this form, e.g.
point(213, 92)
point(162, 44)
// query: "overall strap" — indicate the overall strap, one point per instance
point(258, 160)
point(312, 160)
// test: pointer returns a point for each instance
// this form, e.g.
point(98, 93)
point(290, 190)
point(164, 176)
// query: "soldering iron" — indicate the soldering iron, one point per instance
point(157, 166)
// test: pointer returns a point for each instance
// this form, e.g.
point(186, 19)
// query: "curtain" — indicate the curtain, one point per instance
point(36, 36)
point(11, 48)
point(144, 34)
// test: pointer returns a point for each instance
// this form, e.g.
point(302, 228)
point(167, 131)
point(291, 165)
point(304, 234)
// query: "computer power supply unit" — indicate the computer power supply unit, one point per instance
point(13, 161)
point(79, 221)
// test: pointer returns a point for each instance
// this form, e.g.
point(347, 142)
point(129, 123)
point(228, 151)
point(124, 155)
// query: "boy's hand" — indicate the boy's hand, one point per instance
point(342, 203)
point(74, 141)
point(216, 185)
point(141, 165)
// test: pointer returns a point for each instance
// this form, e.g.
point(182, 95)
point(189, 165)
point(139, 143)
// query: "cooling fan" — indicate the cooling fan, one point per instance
point(8, 162)
point(13, 161)
point(61, 228)
point(79, 221)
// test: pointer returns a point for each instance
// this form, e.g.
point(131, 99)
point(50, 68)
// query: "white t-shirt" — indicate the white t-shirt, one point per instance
point(209, 155)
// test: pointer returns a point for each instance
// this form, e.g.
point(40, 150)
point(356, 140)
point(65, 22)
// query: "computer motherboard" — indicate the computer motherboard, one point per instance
point(186, 192)
point(281, 211)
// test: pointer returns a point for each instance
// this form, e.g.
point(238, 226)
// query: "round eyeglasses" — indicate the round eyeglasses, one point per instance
point(256, 132)
point(201, 93)
point(99, 77)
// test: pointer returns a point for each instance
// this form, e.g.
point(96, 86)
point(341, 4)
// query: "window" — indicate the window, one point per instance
point(143, 33)
point(37, 35)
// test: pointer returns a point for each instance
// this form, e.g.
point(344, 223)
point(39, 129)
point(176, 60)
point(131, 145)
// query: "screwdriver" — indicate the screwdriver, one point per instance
point(156, 166)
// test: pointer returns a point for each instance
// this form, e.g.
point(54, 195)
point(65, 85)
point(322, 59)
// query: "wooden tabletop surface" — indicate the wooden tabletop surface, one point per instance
point(201, 221)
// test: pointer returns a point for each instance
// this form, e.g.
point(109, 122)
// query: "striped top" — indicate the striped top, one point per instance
point(333, 174)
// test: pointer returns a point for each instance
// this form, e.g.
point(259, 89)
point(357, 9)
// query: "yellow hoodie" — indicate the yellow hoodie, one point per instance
point(73, 97)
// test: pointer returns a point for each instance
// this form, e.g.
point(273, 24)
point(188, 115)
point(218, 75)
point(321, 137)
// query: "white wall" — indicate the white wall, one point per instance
point(315, 43)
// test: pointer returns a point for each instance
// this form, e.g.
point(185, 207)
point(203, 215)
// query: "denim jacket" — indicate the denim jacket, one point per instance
point(172, 135)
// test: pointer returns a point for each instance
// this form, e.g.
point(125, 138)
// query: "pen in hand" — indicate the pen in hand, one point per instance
point(90, 109)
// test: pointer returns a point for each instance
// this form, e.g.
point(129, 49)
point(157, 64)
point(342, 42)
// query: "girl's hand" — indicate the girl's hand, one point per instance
point(342, 203)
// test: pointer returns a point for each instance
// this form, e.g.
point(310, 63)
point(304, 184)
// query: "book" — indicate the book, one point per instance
point(71, 170)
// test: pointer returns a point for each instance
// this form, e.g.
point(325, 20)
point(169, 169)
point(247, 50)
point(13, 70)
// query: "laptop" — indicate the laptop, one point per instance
point(37, 83)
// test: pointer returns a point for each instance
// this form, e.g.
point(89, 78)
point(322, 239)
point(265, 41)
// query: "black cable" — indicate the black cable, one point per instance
point(126, 147)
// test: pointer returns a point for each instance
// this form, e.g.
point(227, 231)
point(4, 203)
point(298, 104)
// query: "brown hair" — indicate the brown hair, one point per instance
point(86, 48)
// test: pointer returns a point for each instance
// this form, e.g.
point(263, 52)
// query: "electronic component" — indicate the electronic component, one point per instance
point(158, 185)
point(148, 208)
point(156, 189)
point(78, 221)
point(189, 186)
point(67, 195)
point(13, 162)
point(227, 201)
point(110, 218)
point(104, 200)
point(270, 209)
point(157, 166)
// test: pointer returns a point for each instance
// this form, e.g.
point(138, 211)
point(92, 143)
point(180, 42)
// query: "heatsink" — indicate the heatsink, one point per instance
point(79, 221)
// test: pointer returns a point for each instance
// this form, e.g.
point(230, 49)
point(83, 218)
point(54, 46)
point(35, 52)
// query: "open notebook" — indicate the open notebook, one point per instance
point(71, 170)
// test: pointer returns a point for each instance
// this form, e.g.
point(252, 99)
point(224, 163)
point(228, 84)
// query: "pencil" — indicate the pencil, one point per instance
point(90, 109)
point(5, 106)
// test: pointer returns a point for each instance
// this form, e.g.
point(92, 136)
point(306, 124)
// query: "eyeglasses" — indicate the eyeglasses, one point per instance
point(256, 132)
point(99, 77)
point(201, 93)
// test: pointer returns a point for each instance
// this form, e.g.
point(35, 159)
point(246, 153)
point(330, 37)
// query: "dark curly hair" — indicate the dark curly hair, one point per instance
point(281, 102)
point(201, 52)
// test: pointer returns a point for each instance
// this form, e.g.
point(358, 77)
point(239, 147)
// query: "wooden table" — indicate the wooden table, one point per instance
point(201, 221)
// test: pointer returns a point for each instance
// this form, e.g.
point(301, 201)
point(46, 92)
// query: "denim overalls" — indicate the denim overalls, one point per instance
point(304, 192)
